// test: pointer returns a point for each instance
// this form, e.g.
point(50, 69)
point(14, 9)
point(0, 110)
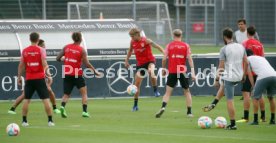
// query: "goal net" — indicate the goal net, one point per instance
point(153, 17)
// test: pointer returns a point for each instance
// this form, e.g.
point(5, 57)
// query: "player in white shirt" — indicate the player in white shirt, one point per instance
point(266, 81)
point(241, 34)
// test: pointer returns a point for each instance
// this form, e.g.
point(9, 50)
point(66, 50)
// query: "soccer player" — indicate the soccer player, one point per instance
point(20, 98)
point(258, 50)
point(177, 52)
point(33, 63)
point(219, 95)
point(74, 56)
point(266, 81)
point(241, 34)
point(232, 59)
point(145, 61)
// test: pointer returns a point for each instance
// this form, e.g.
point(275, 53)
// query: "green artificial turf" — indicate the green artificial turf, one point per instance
point(113, 122)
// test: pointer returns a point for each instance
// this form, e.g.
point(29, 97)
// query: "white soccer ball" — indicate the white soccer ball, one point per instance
point(220, 122)
point(131, 90)
point(204, 122)
point(13, 129)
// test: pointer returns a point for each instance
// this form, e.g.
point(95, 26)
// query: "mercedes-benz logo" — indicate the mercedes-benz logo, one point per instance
point(119, 78)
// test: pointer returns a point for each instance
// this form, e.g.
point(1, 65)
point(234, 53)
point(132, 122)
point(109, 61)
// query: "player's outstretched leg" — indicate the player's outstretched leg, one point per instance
point(262, 108)
point(255, 110)
point(65, 99)
point(272, 110)
point(188, 95)
point(18, 100)
point(25, 112)
point(231, 112)
point(219, 95)
point(166, 99)
point(246, 107)
point(138, 81)
point(153, 78)
point(53, 100)
point(83, 91)
point(48, 111)
point(229, 88)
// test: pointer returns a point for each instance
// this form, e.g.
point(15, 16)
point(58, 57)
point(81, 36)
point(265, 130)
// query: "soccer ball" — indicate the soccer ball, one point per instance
point(204, 122)
point(220, 122)
point(13, 129)
point(131, 90)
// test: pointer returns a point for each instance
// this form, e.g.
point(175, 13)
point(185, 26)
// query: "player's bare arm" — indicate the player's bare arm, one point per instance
point(60, 55)
point(164, 64)
point(21, 68)
point(47, 71)
point(86, 62)
point(250, 76)
point(245, 69)
point(219, 72)
point(129, 53)
point(191, 63)
point(155, 45)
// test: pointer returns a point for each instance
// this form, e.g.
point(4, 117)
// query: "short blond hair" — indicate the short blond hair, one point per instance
point(177, 32)
point(134, 31)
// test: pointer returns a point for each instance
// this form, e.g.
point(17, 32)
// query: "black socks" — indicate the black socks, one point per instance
point(84, 107)
point(246, 114)
point(24, 118)
point(189, 110)
point(164, 104)
point(233, 123)
point(135, 101)
point(215, 101)
point(63, 104)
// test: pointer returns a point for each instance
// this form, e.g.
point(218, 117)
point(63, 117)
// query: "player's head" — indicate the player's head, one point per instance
point(249, 52)
point(251, 30)
point(177, 33)
point(242, 24)
point(227, 35)
point(41, 43)
point(134, 33)
point(34, 37)
point(77, 37)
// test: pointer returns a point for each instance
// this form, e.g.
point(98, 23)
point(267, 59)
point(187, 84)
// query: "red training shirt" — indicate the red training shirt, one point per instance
point(177, 53)
point(142, 51)
point(32, 57)
point(73, 59)
point(255, 45)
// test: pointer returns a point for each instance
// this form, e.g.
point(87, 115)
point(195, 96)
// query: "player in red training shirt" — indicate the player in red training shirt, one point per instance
point(33, 63)
point(177, 52)
point(20, 98)
point(257, 47)
point(74, 56)
point(141, 46)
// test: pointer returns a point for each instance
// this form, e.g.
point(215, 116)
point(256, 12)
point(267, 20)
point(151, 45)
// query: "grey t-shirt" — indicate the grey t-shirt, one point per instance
point(232, 54)
point(239, 36)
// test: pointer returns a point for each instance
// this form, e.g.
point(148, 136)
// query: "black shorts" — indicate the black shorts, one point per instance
point(38, 85)
point(143, 68)
point(172, 80)
point(246, 86)
point(69, 82)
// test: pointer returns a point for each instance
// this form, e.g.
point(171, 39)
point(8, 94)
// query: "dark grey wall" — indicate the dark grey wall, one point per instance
point(100, 87)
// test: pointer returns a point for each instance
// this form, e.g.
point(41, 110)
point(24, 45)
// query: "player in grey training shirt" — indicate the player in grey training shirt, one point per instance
point(241, 34)
point(232, 58)
point(266, 81)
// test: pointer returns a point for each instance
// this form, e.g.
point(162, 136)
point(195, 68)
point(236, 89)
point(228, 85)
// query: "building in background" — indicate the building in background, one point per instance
point(202, 21)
